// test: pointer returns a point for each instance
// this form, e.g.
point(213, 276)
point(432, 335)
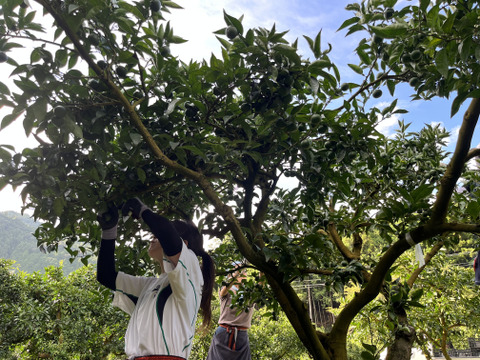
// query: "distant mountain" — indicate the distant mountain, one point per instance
point(18, 243)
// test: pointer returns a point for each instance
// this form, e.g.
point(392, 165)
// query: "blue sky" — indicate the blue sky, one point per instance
point(200, 18)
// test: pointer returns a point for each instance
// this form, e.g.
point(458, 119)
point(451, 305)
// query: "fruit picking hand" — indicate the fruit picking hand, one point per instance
point(134, 207)
point(108, 222)
point(108, 219)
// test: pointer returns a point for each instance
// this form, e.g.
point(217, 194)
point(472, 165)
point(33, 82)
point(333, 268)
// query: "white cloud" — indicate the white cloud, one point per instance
point(388, 125)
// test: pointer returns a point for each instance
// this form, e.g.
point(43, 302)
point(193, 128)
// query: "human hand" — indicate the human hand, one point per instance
point(134, 207)
point(108, 222)
point(108, 219)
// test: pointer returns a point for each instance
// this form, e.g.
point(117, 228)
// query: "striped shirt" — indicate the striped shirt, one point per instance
point(163, 309)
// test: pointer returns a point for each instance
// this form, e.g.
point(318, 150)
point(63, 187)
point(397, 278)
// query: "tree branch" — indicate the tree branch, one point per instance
point(298, 316)
point(456, 164)
point(223, 210)
point(434, 251)
point(473, 153)
point(454, 227)
point(337, 240)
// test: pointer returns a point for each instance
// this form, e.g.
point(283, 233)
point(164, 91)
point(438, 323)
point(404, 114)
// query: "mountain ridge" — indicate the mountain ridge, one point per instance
point(18, 243)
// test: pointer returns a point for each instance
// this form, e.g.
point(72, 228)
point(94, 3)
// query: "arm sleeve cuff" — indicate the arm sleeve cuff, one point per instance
point(109, 234)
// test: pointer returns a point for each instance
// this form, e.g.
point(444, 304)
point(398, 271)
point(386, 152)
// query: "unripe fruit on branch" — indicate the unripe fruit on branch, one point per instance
point(377, 93)
point(231, 32)
point(155, 5)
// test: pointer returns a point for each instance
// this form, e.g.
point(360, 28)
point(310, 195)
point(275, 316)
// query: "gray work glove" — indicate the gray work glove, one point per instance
point(134, 207)
point(108, 222)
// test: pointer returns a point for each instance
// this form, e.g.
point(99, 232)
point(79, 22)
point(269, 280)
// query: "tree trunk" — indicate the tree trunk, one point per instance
point(401, 349)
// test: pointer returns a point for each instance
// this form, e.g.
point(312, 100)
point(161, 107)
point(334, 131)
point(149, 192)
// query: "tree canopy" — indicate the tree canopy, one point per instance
point(116, 116)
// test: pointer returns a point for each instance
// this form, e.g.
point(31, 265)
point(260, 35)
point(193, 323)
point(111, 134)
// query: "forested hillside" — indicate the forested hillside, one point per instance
point(19, 244)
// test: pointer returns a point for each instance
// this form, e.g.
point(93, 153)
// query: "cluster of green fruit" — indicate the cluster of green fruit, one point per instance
point(411, 58)
point(267, 93)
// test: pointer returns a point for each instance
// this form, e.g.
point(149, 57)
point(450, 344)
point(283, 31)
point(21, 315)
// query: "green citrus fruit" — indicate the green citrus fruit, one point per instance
point(165, 51)
point(155, 5)
point(388, 13)
point(416, 55)
point(93, 39)
point(121, 72)
point(231, 32)
point(414, 81)
point(138, 94)
point(59, 111)
point(377, 93)
point(377, 39)
point(102, 64)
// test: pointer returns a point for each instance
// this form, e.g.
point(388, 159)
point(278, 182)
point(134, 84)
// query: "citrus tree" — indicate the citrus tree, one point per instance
point(116, 116)
point(442, 306)
point(53, 316)
point(450, 313)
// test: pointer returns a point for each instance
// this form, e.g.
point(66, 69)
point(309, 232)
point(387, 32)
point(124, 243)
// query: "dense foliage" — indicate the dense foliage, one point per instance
point(212, 140)
point(53, 316)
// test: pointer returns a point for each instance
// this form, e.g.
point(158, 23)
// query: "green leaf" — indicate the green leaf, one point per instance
point(310, 42)
point(317, 66)
point(370, 348)
point(3, 182)
point(58, 205)
point(422, 192)
point(448, 24)
point(348, 22)
point(227, 45)
point(28, 122)
point(424, 4)
point(355, 28)
point(289, 52)
point(473, 209)
point(441, 60)
point(171, 4)
point(458, 101)
point(8, 119)
point(195, 150)
point(39, 107)
point(4, 90)
point(136, 138)
point(390, 31)
point(465, 48)
point(141, 175)
point(318, 45)
point(250, 37)
point(356, 68)
point(230, 20)
point(391, 86)
point(416, 295)
point(364, 56)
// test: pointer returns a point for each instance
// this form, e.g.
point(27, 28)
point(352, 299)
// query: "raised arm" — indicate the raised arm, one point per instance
point(106, 273)
point(161, 227)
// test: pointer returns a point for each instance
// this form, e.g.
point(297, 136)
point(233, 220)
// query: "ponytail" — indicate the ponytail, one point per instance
point(208, 272)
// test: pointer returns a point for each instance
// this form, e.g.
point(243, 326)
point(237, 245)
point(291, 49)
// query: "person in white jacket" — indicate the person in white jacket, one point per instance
point(163, 309)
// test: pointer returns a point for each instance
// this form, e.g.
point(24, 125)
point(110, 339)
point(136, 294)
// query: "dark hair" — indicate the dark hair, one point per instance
point(189, 232)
